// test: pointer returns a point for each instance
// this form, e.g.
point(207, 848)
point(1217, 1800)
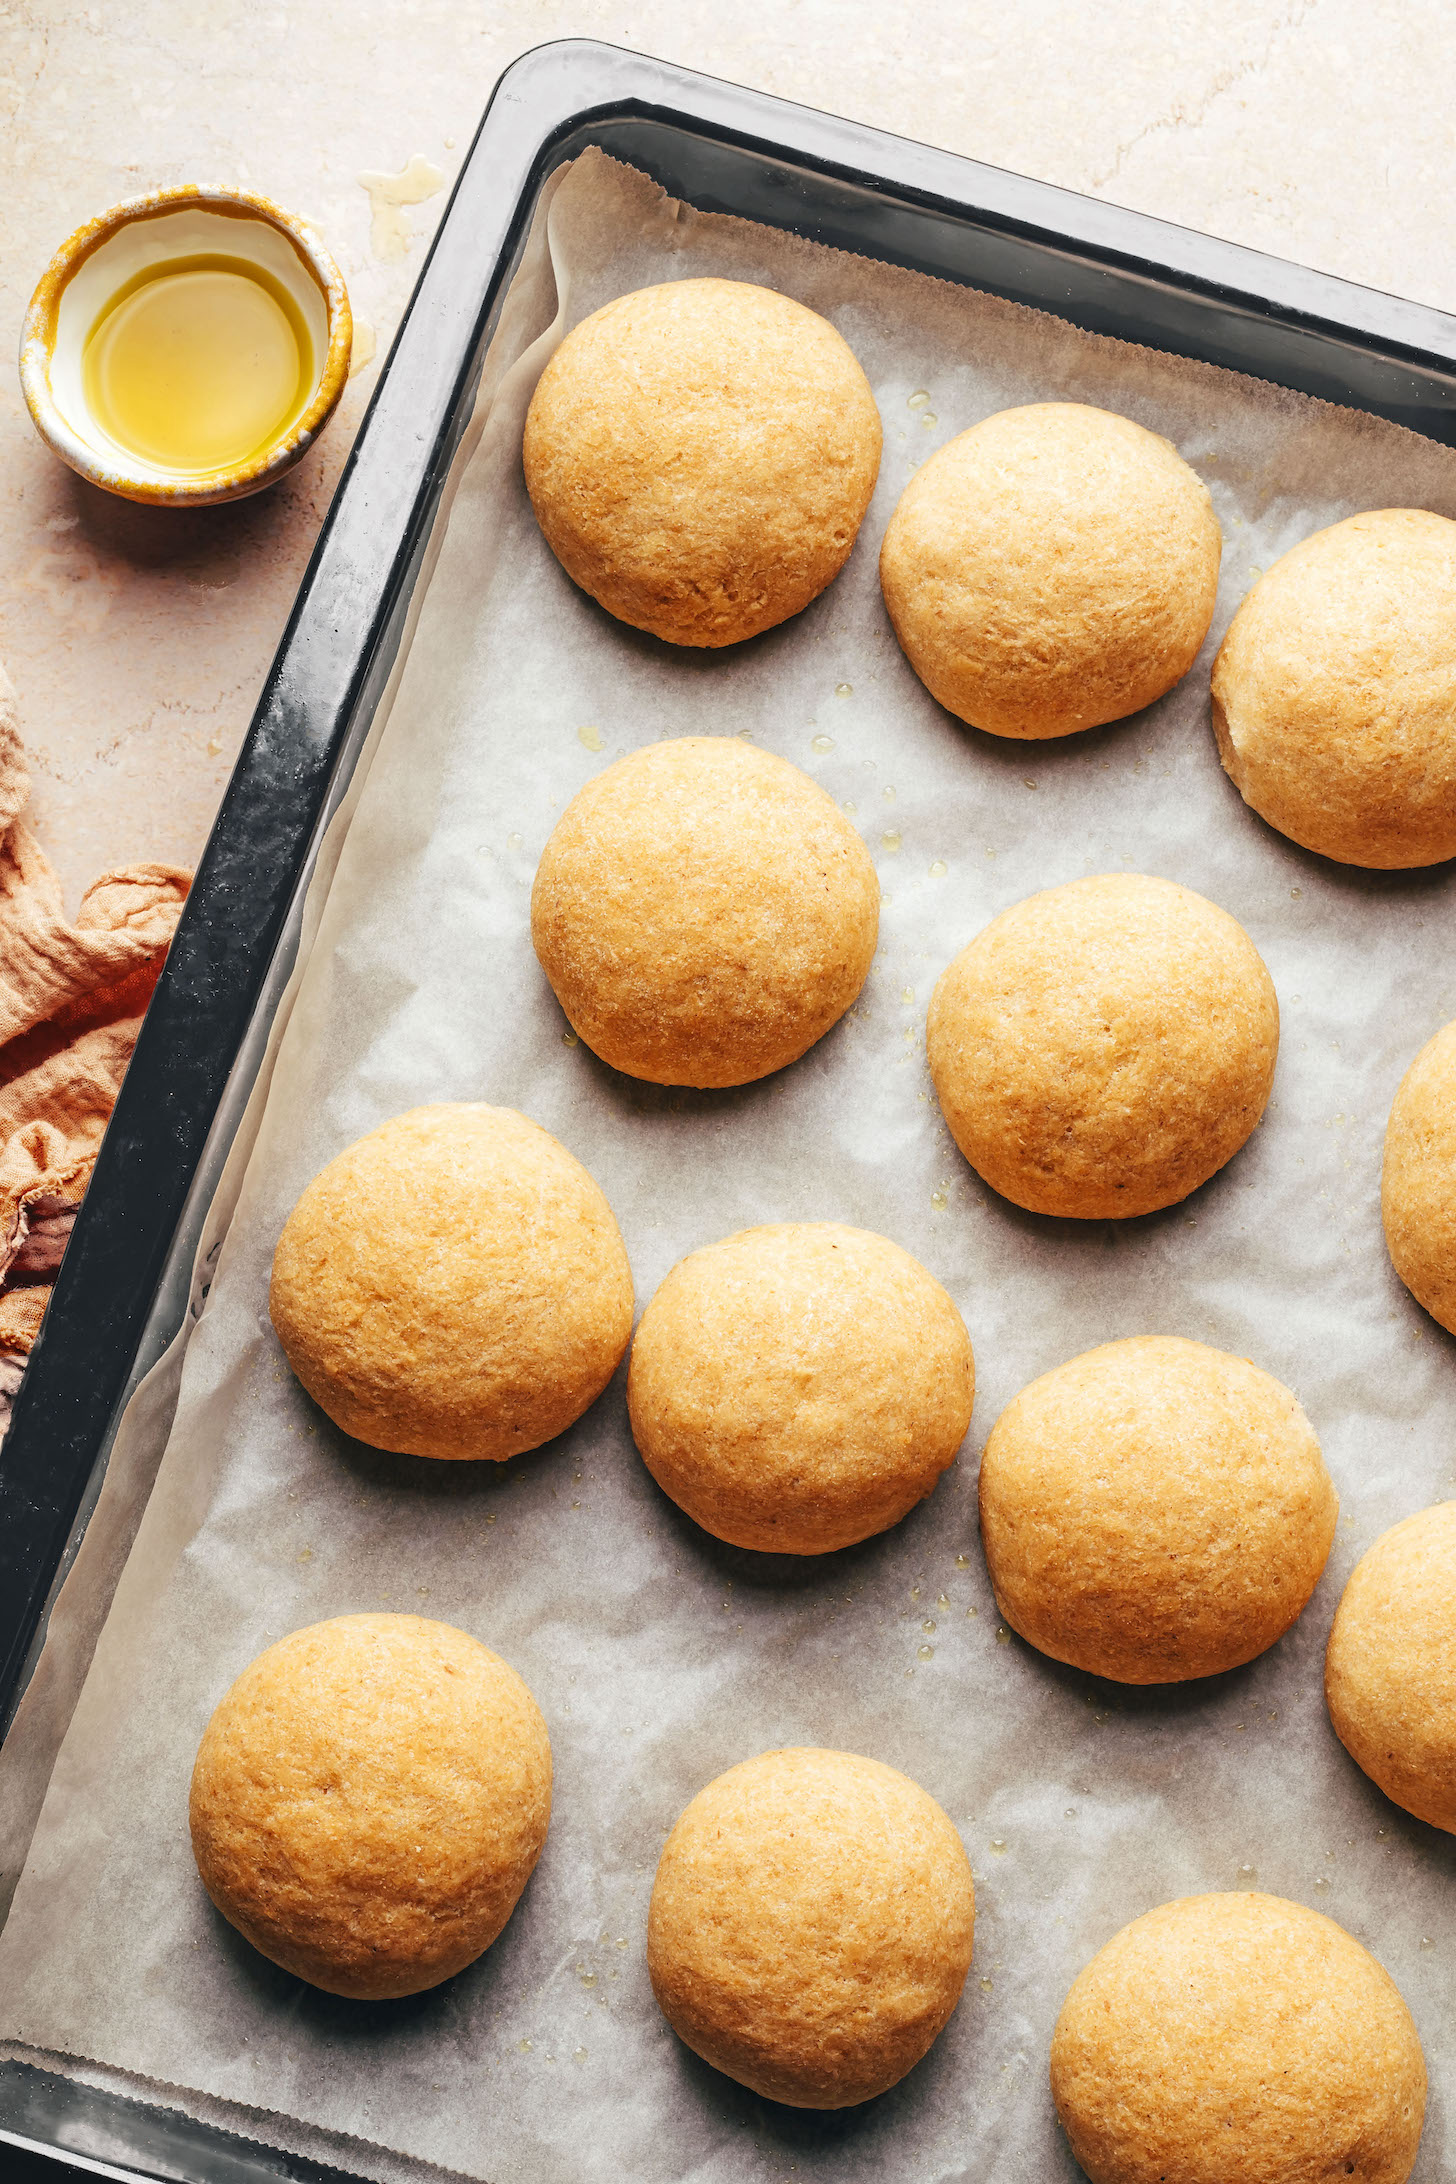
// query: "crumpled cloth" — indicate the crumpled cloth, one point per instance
point(72, 998)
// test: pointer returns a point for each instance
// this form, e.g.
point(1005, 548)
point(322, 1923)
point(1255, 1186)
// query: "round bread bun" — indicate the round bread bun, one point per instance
point(1154, 1510)
point(1418, 1179)
point(1051, 569)
point(1334, 692)
point(1103, 1048)
point(700, 456)
point(453, 1285)
point(799, 1387)
point(704, 912)
point(810, 1926)
point(369, 1800)
point(1238, 2039)
point(1390, 1671)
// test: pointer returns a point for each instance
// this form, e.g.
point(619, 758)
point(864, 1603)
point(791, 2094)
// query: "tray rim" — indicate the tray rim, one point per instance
point(235, 944)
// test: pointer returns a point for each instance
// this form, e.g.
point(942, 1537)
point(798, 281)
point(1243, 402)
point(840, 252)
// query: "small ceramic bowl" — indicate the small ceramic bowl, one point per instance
point(114, 248)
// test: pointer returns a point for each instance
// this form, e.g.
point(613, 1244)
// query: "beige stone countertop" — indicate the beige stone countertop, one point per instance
point(1323, 130)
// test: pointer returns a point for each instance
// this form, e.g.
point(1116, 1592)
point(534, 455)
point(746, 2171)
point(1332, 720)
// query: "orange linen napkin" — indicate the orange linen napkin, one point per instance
point(72, 999)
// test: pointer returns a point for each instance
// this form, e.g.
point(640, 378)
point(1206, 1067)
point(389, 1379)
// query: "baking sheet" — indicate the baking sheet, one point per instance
point(658, 1655)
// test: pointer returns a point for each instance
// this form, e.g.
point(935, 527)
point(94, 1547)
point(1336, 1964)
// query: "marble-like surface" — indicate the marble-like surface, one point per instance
point(1318, 129)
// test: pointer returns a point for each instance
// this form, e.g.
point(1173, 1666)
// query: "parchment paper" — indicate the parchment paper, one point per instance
point(659, 1656)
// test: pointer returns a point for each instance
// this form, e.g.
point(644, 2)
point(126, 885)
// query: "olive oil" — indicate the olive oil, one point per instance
point(199, 364)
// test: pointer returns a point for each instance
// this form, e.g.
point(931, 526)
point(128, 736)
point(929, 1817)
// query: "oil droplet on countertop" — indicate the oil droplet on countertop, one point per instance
point(890, 839)
point(590, 737)
point(928, 418)
point(823, 743)
point(364, 345)
point(844, 690)
point(937, 870)
point(568, 1038)
point(389, 235)
point(1248, 1876)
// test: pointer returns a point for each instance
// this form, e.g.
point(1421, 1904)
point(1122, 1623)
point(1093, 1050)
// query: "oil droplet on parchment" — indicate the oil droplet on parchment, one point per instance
point(928, 418)
point(568, 1038)
point(362, 352)
point(986, 1986)
point(918, 400)
point(890, 840)
point(1003, 1635)
point(927, 1628)
point(590, 737)
point(888, 795)
point(907, 994)
point(937, 870)
point(389, 234)
point(1248, 1876)
point(938, 1200)
point(926, 1653)
point(998, 1844)
point(844, 690)
point(823, 744)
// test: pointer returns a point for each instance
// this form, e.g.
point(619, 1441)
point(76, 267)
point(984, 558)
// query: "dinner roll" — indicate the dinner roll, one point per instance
point(799, 1387)
point(1418, 1180)
point(1051, 569)
point(453, 1285)
point(369, 1800)
point(1154, 1510)
point(810, 1926)
point(700, 456)
point(1238, 2040)
point(1390, 1671)
point(1102, 1049)
point(704, 912)
point(1334, 692)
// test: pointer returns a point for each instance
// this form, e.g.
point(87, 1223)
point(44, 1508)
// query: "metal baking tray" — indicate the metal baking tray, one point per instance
point(124, 1285)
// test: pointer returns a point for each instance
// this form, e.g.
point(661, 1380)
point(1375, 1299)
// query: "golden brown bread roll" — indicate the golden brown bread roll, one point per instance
point(1101, 1049)
point(1334, 692)
point(704, 912)
point(800, 1386)
point(1238, 2039)
point(1390, 1669)
point(1418, 1178)
point(369, 1800)
point(1154, 1510)
point(700, 456)
point(810, 1927)
point(453, 1285)
point(1051, 569)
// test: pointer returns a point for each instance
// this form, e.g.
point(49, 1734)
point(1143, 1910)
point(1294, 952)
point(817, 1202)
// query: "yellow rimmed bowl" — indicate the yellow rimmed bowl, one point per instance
point(138, 238)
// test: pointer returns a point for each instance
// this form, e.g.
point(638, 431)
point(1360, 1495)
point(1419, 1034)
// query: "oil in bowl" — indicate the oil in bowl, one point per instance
point(186, 347)
point(198, 364)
